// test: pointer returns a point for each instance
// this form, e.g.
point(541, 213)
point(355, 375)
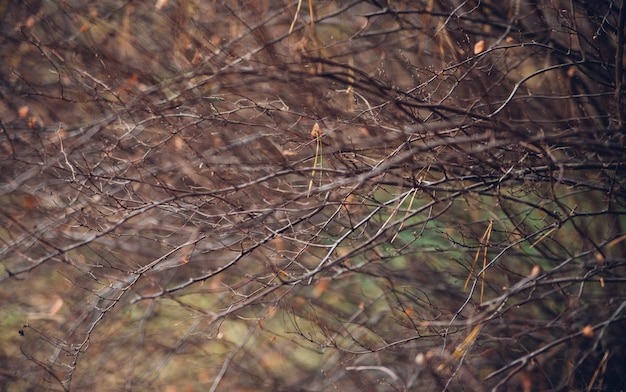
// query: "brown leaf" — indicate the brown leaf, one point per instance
point(316, 131)
point(479, 47)
point(22, 112)
point(587, 331)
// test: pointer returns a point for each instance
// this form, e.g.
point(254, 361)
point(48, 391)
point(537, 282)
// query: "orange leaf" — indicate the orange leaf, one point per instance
point(22, 112)
point(479, 47)
point(321, 287)
point(316, 131)
point(587, 331)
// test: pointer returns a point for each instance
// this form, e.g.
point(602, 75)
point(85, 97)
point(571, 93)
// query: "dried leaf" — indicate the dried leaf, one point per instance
point(22, 112)
point(535, 271)
point(316, 131)
point(58, 304)
point(571, 72)
point(587, 331)
point(479, 47)
point(599, 258)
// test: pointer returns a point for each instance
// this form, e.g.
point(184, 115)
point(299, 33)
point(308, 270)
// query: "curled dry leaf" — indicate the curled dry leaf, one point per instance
point(34, 122)
point(22, 112)
point(599, 258)
point(479, 47)
point(535, 271)
point(587, 331)
point(316, 131)
point(571, 72)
